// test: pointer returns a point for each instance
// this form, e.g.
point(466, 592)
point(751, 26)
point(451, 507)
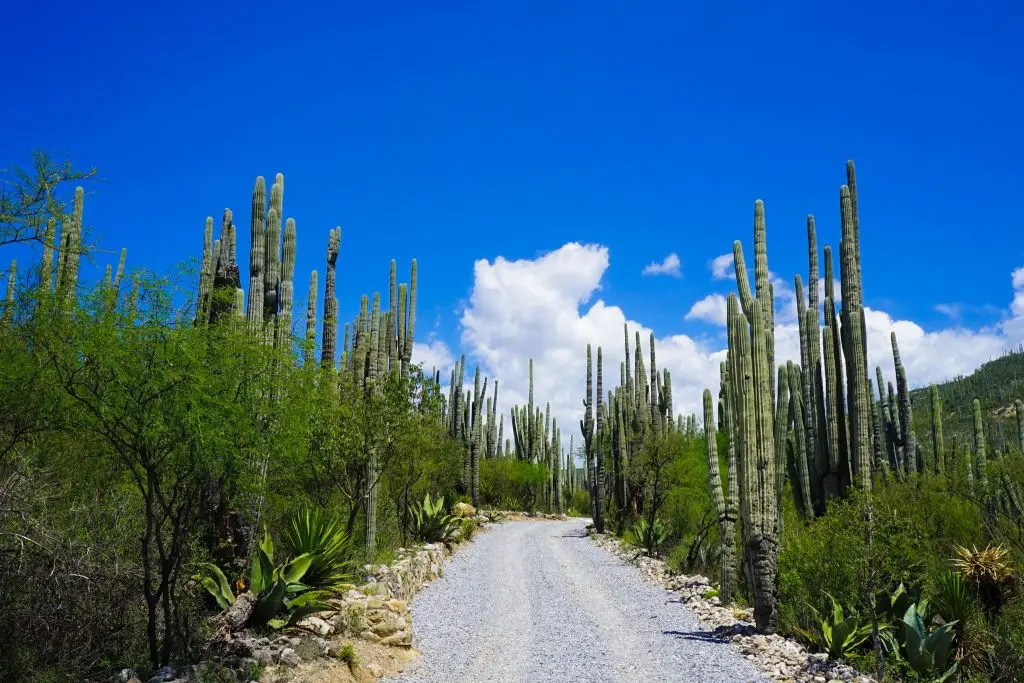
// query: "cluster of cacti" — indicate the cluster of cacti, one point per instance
point(536, 438)
point(815, 421)
point(377, 342)
point(750, 391)
point(60, 287)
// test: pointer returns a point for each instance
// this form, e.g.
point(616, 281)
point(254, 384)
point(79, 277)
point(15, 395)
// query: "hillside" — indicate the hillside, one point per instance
point(997, 384)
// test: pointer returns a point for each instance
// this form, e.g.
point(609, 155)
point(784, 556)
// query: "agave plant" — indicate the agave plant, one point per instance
point(891, 605)
point(430, 523)
point(991, 573)
point(840, 634)
point(928, 653)
point(276, 590)
point(323, 536)
point(650, 537)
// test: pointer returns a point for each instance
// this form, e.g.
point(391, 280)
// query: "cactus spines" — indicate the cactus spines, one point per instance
point(330, 331)
point(938, 443)
point(718, 500)
point(309, 351)
point(257, 246)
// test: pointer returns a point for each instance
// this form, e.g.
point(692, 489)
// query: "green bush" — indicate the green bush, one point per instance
point(511, 484)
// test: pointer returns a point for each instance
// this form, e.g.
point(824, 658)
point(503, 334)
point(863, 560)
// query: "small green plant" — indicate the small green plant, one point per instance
point(840, 634)
point(276, 589)
point(347, 654)
point(711, 594)
point(952, 598)
point(928, 653)
point(469, 527)
point(650, 537)
point(430, 523)
point(322, 536)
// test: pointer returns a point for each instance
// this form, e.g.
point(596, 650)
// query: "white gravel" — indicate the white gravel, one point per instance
point(538, 601)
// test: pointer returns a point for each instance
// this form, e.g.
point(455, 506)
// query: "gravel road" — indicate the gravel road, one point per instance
point(537, 601)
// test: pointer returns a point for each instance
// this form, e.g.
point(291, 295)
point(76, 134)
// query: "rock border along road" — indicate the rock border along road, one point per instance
point(538, 601)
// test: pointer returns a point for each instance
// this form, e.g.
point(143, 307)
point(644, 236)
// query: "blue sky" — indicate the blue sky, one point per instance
point(453, 132)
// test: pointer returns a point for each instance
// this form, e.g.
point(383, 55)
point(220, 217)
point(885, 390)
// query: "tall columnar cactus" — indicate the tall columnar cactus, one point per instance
point(12, 280)
point(938, 443)
point(70, 253)
point(257, 245)
point(909, 440)
point(726, 519)
point(749, 373)
point(801, 465)
point(286, 288)
point(46, 267)
point(410, 325)
point(1018, 410)
point(272, 250)
point(330, 331)
point(854, 336)
point(587, 428)
point(310, 346)
point(980, 462)
point(599, 452)
point(476, 445)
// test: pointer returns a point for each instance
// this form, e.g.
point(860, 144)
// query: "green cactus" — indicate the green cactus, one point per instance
point(310, 345)
point(980, 462)
point(286, 289)
point(802, 468)
point(759, 511)
point(1018, 411)
point(12, 279)
point(272, 250)
point(587, 428)
point(257, 243)
point(329, 334)
point(938, 444)
point(599, 450)
point(718, 499)
point(909, 441)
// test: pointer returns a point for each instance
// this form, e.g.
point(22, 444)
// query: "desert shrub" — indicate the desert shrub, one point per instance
point(510, 483)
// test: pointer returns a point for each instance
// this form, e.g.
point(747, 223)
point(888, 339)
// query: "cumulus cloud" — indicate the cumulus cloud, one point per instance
point(669, 266)
point(710, 309)
point(542, 309)
point(433, 354)
point(547, 309)
point(721, 267)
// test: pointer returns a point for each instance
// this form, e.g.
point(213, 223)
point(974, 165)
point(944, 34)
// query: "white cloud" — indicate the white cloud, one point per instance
point(710, 309)
point(951, 311)
point(721, 267)
point(539, 309)
point(670, 266)
point(543, 308)
point(434, 354)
